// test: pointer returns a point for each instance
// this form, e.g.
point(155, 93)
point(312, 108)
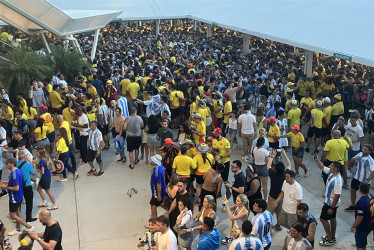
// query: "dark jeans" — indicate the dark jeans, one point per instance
point(83, 147)
point(28, 194)
point(72, 156)
point(64, 157)
point(225, 172)
point(76, 138)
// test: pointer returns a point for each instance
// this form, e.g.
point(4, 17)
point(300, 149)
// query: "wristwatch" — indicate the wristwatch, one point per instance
point(38, 239)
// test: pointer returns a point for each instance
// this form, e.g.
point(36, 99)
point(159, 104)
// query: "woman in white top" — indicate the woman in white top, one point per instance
point(283, 126)
point(232, 128)
point(237, 213)
point(184, 221)
point(261, 156)
point(208, 210)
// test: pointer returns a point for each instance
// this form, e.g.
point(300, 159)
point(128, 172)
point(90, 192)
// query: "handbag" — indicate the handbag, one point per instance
point(235, 232)
point(165, 203)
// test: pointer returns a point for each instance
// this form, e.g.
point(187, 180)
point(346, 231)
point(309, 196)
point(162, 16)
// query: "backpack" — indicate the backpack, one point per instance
point(370, 212)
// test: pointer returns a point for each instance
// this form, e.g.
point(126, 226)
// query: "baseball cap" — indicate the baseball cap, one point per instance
point(17, 131)
point(217, 131)
point(226, 95)
point(338, 97)
point(169, 141)
point(271, 119)
point(296, 127)
point(44, 108)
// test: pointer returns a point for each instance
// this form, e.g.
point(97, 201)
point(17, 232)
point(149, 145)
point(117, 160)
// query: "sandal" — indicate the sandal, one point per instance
point(131, 167)
point(146, 162)
point(124, 159)
point(137, 161)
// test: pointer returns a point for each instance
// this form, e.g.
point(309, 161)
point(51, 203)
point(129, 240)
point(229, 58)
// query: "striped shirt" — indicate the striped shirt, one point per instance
point(104, 111)
point(122, 104)
point(292, 244)
point(246, 243)
point(365, 165)
point(261, 225)
point(94, 139)
point(334, 186)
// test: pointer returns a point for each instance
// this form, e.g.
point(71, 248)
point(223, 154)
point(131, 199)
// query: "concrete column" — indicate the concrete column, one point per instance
point(246, 44)
point(308, 66)
point(157, 27)
point(209, 31)
point(171, 23)
point(96, 40)
point(194, 25)
point(140, 23)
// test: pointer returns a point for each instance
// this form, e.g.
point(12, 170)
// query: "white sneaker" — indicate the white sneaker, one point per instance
point(30, 229)
point(14, 232)
point(53, 207)
point(43, 204)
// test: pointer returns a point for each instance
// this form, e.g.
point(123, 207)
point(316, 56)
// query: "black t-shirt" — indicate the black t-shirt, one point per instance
point(53, 232)
point(239, 181)
point(276, 182)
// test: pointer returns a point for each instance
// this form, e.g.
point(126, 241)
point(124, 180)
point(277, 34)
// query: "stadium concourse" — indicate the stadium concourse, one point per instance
point(97, 213)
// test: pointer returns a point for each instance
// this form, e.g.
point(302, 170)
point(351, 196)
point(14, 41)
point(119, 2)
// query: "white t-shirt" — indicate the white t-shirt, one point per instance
point(354, 133)
point(247, 120)
point(292, 193)
point(187, 219)
point(167, 241)
point(83, 119)
point(3, 135)
point(259, 155)
point(334, 186)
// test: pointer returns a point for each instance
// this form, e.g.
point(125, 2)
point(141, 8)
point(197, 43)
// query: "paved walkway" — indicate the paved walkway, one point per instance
point(96, 212)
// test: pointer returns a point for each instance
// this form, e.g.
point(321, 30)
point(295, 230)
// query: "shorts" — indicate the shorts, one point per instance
point(43, 143)
point(13, 207)
point(205, 192)
point(361, 238)
point(45, 183)
point(272, 209)
point(133, 143)
point(314, 131)
point(144, 137)
point(186, 239)
point(181, 110)
point(355, 184)
point(352, 153)
point(325, 131)
point(91, 156)
point(274, 145)
point(261, 170)
point(200, 179)
point(155, 202)
point(31, 123)
point(298, 153)
point(325, 216)
point(51, 137)
point(104, 129)
point(174, 113)
point(232, 131)
point(152, 141)
point(286, 218)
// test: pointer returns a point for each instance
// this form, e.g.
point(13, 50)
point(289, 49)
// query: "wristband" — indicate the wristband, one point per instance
point(38, 239)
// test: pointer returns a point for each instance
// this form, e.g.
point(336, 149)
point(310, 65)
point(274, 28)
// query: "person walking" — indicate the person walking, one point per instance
point(158, 185)
point(95, 145)
point(246, 128)
point(133, 126)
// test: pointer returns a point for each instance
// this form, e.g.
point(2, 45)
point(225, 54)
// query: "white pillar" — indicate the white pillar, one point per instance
point(77, 46)
point(308, 66)
point(158, 27)
point(194, 25)
point(171, 23)
point(45, 42)
point(246, 44)
point(140, 23)
point(209, 31)
point(96, 40)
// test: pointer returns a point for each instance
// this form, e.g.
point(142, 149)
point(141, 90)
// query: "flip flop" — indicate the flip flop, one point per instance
point(131, 167)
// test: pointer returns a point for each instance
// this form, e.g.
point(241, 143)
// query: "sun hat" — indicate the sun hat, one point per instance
point(319, 104)
point(203, 148)
point(326, 100)
point(294, 104)
point(197, 116)
point(186, 142)
point(156, 159)
point(59, 165)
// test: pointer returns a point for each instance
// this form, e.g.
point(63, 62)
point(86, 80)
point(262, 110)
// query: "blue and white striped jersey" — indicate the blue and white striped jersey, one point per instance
point(365, 165)
point(261, 225)
point(122, 104)
point(246, 243)
point(334, 186)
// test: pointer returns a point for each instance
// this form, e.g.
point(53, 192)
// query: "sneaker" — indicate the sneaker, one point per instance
point(349, 174)
point(82, 164)
point(297, 175)
point(76, 175)
point(350, 209)
point(306, 173)
point(53, 207)
point(307, 150)
point(316, 151)
point(91, 171)
point(63, 180)
point(100, 173)
point(30, 229)
point(43, 204)
point(4, 193)
point(14, 232)
point(324, 237)
point(227, 240)
point(31, 220)
point(119, 158)
point(326, 243)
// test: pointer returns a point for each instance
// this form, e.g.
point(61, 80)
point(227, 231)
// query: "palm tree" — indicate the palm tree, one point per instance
point(20, 68)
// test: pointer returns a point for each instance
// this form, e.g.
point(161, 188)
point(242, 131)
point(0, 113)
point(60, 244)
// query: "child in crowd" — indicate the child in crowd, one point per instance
point(232, 129)
point(283, 126)
point(151, 237)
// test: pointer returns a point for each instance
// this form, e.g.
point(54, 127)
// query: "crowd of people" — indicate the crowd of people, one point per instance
point(179, 102)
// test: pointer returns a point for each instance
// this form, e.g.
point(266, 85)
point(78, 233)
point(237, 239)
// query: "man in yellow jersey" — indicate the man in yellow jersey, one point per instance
point(48, 121)
point(227, 110)
point(199, 129)
point(304, 105)
point(273, 133)
point(64, 124)
point(217, 109)
point(337, 108)
point(91, 89)
point(315, 127)
point(55, 99)
point(293, 114)
point(298, 143)
point(125, 83)
point(221, 151)
point(183, 164)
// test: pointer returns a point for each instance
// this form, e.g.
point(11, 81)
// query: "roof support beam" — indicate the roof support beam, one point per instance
point(158, 27)
point(45, 43)
point(96, 40)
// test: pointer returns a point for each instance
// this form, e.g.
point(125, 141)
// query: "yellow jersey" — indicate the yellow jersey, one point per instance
point(227, 109)
point(200, 128)
point(221, 147)
point(69, 117)
point(41, 132)
point(124, 83)
point(92, 90)
point(296, 138)
point(183, 165)
point(55, 100)
point(30, 116)
point(337, 108)
point(133, 88)
point(336, 149)
point(48, 121)
point(203, 167)
point(217, 107)
point(327, 116)
point(61, 146)
point(66, 125)
point(294, 116)
point(318, 116)
point(273, 131)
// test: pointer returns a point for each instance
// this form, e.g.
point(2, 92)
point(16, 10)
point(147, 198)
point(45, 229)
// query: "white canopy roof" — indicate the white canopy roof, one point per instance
point(33, 16)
